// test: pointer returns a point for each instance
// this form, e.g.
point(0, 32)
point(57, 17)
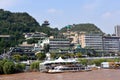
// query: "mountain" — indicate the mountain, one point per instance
point(15, 24)
point(88, 27)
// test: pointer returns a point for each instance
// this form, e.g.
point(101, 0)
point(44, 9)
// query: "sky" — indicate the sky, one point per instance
point(103, 13)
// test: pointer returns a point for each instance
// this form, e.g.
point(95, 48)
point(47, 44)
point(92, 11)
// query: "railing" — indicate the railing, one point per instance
point(102, 57)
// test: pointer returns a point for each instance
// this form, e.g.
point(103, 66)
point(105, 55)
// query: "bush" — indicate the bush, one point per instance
point(34, 66)
point(16, 57)
point(1, 65)
point(83, 61)
point(40, 56)
point(9, 67)
point(19, 67)
point(53, 55)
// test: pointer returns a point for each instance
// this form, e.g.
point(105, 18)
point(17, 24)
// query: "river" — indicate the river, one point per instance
point(102, 74)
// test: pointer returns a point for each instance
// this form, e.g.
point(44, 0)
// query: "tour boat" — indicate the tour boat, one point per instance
point(60, 69)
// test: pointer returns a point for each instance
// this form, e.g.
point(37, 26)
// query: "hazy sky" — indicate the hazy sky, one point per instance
point(103, 13)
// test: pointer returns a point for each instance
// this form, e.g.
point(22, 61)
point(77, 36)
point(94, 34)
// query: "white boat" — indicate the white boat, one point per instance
point(60, 69)
point(56, 70)
point(61, 65)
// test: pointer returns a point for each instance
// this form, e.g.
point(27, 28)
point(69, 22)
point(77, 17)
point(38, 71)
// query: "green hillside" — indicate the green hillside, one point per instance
point(15, 24)
point(89, 28)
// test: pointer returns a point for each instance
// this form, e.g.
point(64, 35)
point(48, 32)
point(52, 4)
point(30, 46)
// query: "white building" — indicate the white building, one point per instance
point(40, 35)
point(40, 45)
point(117, 30)
point(58, 43)
point(92, 41)
point(105, 65)
point(111, 44)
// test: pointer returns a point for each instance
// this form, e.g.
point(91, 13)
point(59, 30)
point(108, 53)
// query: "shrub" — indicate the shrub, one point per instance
point(83, 61)
point(34, 66)
point(40, 56)
point(16, 57)
point(19, 67)
point(8, 67)
point(1, 65)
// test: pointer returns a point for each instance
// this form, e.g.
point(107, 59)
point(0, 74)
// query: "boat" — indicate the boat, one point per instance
point(61, 65)
point(57, 69)
point(61, 69)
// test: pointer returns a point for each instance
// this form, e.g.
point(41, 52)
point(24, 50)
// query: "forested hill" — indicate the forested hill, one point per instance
point(11, 23)
point(15, 24)
point(89, 28)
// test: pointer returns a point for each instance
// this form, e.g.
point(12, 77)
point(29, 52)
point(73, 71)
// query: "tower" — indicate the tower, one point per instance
point(46, 23)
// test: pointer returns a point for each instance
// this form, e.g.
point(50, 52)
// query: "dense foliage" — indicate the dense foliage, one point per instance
point(9, 67)
point(97, 62)
point(40, 56)
point(15, 24)
point(89, 28)
point(19, 67)
point(66, 55)
point(34, 66)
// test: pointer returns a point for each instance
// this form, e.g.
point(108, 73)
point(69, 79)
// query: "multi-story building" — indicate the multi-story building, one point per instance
point(117, 30)
point(111, 44)
point(73, 36)
point(59, 43)
point(55, 44)
point(39, 35)
point(91, 41)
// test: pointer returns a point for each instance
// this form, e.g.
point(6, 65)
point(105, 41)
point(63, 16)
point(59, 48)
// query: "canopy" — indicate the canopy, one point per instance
point(60, 60)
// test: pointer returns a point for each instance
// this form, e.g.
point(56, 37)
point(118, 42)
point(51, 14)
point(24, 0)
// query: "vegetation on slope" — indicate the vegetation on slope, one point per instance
point(15, 24)
point(89, 28)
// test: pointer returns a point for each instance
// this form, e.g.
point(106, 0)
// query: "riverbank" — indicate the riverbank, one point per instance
point(102, 74)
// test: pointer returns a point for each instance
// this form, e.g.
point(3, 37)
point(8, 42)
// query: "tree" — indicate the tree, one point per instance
point(19, 67)
point(9, 67)
point(24, 57)
point(1, 67)
point(16, 57)
point(2, 62)
point(83, 61)
point(72, 55)
point(53, 55)
point(46, 48)
point(34, 66)
point(40, 56)
point(88, 27)
point(31, 41)
point(79, 55)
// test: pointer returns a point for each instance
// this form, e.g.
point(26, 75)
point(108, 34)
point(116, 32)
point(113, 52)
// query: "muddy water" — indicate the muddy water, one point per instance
point(103, 74)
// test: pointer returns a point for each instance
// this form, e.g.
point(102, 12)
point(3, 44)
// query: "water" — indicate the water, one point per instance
point(103, 74)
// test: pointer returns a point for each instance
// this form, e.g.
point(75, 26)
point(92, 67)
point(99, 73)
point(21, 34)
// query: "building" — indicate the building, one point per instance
point(117, 30)
point(58, 43)
point(91, 41)
point(4, 36)
point(39, 35)
point(111, 44)
point(26, 46)
point(41, 43)
point(46, 23)
point(73, 36)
